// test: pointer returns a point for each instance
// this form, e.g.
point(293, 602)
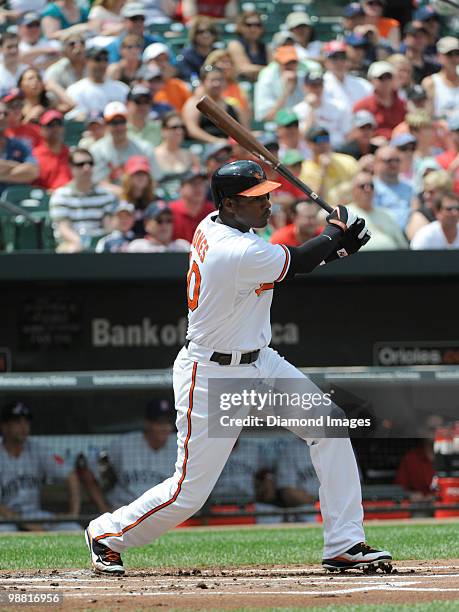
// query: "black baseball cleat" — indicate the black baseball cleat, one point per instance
point(360, 556)
point(104, 560)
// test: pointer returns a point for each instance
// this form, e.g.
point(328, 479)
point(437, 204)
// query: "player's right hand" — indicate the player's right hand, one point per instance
point(342, 217)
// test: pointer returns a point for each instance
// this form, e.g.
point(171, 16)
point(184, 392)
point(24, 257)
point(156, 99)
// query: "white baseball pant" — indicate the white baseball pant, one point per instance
point(201, 459)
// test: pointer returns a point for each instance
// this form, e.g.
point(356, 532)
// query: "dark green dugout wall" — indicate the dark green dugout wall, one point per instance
point(96, 312)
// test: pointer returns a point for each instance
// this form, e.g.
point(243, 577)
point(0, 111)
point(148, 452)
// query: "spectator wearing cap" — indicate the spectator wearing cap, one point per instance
point(25, 466)
point(152, 78)
point(95, 130)
point(435, 183)
point(388, 29)
point(384, 104)
point(159, 229)
point(198, 126)
point(248, 51)
point(141, 459)
point(300, 24)
point(71, 67)
point(17, 164)
point(430, 19)
point(11, 67)
point(126, 68)
point(192, 206)
point(203, 35)
point(280, 85)
point(386, 235)
point(288, 133)
point(357, 51)
point(139, 124)
point(52, 154)
point(391, 193)
point(443, 233)
point(173, 91)
point(133, 14)
point(406, 146)
point(305, 225)
point(443, 87)
point(414, 46)
point(233, 91)
point(80, 210)
point(449, 160)
point(338, 83)
point(172, 157)
point(118, 240)
point(113, 150)
point(95, 91)
point(317, 109)
point(138, 188)
point(360, 138)
point(38, 97)
point(353, 16)
point(29, 133)
point(33, 48)
point(293, 160)
point(326, 169)
point(63, 18)
point(215, 155)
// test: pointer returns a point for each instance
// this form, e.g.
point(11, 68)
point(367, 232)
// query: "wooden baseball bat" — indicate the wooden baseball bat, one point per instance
point(246, 139)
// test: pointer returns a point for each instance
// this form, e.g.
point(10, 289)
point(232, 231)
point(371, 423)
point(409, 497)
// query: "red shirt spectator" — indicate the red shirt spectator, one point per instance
point(449, 160)
point(304, 227)
point(52, 155)
point(190, 210)
point(415, 472)
point(387, 107)
point(27, 132)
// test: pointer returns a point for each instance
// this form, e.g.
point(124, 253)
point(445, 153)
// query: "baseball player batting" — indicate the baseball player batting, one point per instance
point(230, 285)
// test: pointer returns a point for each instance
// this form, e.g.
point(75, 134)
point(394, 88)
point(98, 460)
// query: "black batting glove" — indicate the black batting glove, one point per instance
point(342, 217)
point(351, 241)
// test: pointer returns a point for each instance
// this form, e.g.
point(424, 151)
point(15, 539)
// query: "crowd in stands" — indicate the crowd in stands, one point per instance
point(98, 108)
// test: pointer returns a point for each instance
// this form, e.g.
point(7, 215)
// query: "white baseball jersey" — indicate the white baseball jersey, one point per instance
point(138, 467)
point(231, 278)
point(22, 477)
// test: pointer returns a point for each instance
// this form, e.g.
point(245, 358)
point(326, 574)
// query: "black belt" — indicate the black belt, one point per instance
point(225, 358)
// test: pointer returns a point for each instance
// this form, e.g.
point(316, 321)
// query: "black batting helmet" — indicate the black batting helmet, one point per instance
point(240, 178)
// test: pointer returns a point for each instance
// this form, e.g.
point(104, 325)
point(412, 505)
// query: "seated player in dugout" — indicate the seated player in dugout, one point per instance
point(231, 279)
point(25, 466)
point(138, 460)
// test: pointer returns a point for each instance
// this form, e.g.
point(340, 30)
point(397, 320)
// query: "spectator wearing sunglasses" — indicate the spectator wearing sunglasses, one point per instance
point(300, 25)
point(131, 60)
point(140, 125)
point(33, 48)
point(435, 183)
point(406, 146)
point(80, 211)
point(443, 87)
point(326, 169)
point(133, 14)
point(52, 154)
point(122, 235)
point(385, 104)
point(71, 67)
point(388, 28)
point(203, 36)
point(94, 92)
point(430, 19)
point(113, 150)
point(172, 91)
point(385, 233)
point(415, 41)
point(443, 233)
point(159, 229)
point(391, 193)
point(248, 51)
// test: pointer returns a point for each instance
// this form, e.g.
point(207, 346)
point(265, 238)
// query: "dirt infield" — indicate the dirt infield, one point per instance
point(237, 587)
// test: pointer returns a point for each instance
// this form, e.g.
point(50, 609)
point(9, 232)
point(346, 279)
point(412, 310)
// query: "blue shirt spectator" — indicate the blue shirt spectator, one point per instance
point(391, 194)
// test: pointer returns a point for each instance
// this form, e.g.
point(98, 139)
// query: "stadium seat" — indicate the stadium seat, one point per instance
point(32, 199)
point(73, 131)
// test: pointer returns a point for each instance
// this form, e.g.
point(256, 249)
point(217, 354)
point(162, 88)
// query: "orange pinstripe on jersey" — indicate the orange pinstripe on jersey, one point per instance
point(184, 465)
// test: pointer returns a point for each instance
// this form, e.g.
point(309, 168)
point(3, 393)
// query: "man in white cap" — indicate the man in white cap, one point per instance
point(113, 150)
point(94, 92)
point(385, 104)
point(300, 25)
point(443, 87)
point(134, 23)
point(174, 91)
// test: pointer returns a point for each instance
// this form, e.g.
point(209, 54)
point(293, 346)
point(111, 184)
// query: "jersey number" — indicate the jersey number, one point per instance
point(193, 299)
